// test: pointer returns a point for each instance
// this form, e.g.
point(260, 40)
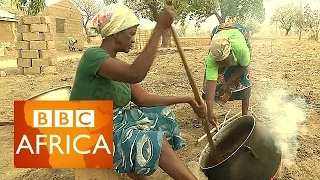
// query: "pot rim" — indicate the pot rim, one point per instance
point(53, 89)
point(254, 124)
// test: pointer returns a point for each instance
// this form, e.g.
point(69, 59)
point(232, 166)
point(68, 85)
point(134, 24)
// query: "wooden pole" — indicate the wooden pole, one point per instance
point(194, 89)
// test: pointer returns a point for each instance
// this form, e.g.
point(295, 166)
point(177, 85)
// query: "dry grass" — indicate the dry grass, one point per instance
point(286, 64)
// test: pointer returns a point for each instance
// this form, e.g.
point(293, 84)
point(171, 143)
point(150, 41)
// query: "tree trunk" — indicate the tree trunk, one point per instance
point(166, 39)
point(287, 31)
point(300, 34)
point(317, 35)
point(88, 38)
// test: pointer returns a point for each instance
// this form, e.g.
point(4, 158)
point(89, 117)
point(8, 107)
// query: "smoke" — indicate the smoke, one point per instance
point(283, 114)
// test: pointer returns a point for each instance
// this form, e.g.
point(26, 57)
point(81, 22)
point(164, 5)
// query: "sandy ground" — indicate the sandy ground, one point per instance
point(286, 65)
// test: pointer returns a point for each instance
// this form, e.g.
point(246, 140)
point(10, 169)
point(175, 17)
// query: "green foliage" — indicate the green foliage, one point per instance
point(3, 2)
point(150, 9)
point(287, 16)
point(107, 2)
point(303, 19)
point(30, 7)
point(181, 29)
point(300, 22)
point(241, 10)
point(200, 10)
point(312, 17)
point(252, 24)
point(237, 10)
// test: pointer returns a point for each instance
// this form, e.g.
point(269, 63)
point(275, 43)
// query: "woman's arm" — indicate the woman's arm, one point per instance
point(238, 72)
point(118, 70)
point(121, 71)
point(142, 98)
point(243, 55)
point(210, 94)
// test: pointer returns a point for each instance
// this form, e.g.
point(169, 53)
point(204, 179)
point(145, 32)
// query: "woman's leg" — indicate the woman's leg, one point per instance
point(245, 106)
point(172, 164)
point(245, 101)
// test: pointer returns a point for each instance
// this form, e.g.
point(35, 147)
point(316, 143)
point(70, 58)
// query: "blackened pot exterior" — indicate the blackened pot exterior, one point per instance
point(255, 158)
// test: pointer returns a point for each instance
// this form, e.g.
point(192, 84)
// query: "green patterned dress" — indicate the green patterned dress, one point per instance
point(138, 132)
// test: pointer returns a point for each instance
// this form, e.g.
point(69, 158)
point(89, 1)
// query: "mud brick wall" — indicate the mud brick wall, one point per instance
point(142, 37)
point(35, 46)
point(72, 26)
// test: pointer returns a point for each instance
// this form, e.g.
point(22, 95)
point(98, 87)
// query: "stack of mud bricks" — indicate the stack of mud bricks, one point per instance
point(142, 37)
point(35, 46)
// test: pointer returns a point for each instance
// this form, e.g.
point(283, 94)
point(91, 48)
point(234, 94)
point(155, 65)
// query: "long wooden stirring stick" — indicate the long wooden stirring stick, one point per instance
point(192, 83)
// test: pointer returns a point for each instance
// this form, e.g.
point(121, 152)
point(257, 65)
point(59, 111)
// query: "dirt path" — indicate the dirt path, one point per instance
point(282, 66)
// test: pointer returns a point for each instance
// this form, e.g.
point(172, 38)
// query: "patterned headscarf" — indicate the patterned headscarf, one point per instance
point(220, 47)
point(112, 19)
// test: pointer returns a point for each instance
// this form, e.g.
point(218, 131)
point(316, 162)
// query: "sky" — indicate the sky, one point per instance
point(270, 7)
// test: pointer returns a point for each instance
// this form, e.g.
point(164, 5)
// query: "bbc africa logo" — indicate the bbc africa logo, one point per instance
point(63, 134)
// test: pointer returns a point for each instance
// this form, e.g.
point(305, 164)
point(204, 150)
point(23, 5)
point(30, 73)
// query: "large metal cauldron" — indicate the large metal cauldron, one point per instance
point(55, 94)
point(246, 150)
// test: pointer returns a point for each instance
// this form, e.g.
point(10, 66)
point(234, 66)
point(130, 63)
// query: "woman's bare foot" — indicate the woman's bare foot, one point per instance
point(137, 176)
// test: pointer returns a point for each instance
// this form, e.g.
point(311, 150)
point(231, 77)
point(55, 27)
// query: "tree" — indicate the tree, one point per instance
point(235, 10)
point(89, 9)
point(200, 10)
point(181, 29)
point(149, 9)
point(30, 7)
point(197, 30)
point(3, 1)
point(252, 24)
point(312, 21)
point(286, 15)
point(300, 22)
point(107, 2)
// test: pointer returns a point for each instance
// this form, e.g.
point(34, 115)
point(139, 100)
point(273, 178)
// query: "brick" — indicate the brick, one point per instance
point(49, 69)
point(50, 53)
point(19, 70)
point(38, 28)
point(49, 28)
point(52, 61)
point(32, 36)
point(25, 45)
point(19, 36)
point(19, 54)
point(20, 20)
point(38, 45)
point(32, 54)
point(23, 28)
point(39, 62)
point(31, 20)
point(51, 45)
point(46, 37)
point(45, 20)
point(23, 62)
point(31, 70)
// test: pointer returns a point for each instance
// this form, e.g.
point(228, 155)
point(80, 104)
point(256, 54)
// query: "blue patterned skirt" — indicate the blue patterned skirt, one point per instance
point(239, 91)
point(138, 135)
